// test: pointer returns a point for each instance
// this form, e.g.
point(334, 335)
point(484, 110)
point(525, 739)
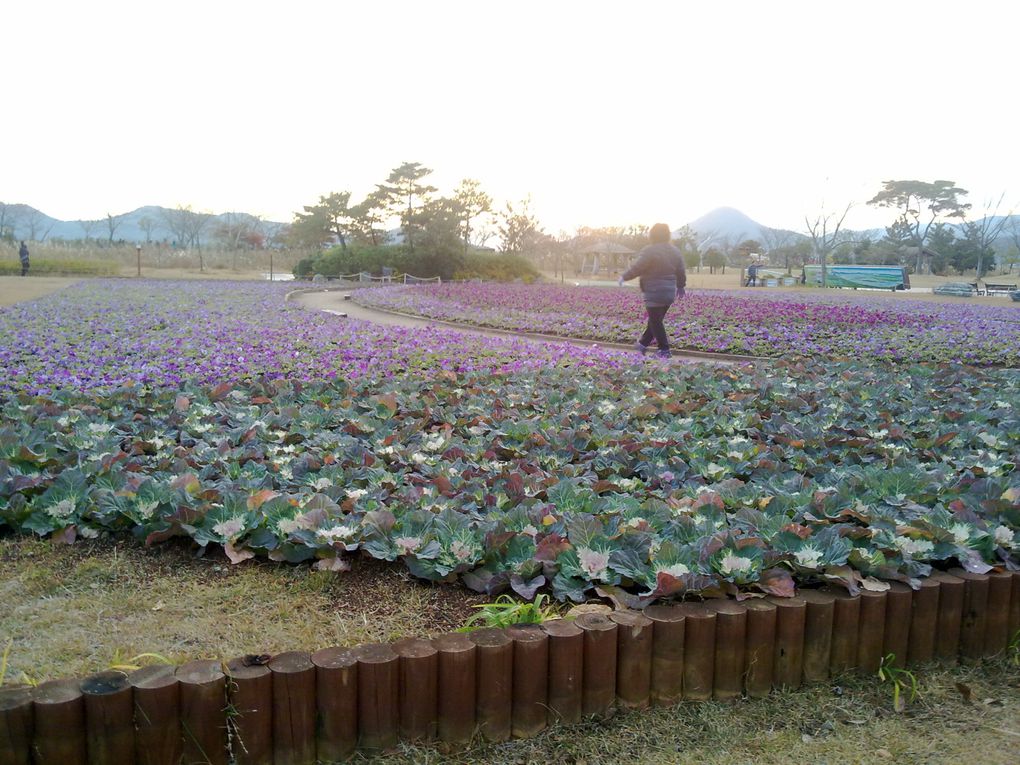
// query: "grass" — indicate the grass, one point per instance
point(157, 259)
point(731, 281)
point(70, 611)
point(848, 721)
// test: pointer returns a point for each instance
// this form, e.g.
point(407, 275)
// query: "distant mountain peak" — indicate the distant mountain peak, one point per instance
point(726, 224)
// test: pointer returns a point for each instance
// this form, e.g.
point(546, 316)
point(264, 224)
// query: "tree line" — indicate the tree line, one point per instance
point(465, 216)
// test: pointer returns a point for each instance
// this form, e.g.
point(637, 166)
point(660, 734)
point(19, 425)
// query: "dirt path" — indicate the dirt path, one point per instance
point(334, 301)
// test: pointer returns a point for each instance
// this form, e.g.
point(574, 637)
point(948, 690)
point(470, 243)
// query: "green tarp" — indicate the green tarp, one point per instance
point(869, 277)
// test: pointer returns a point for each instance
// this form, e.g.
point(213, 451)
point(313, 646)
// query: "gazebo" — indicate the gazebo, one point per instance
point(602, 252)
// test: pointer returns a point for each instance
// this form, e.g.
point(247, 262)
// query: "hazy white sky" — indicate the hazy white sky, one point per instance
point(607, 113)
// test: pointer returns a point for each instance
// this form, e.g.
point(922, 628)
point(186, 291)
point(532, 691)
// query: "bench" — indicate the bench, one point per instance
point(991, 288)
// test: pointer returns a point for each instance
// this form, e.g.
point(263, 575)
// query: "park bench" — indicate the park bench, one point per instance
point(992, 288)
point(976, 287)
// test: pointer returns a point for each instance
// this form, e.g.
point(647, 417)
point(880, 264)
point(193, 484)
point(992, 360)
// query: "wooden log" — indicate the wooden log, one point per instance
point(668, 625)
point(530, 679)
point(203, 691)
point(1000, 591)
point(157, 715)
point(730, 647)
point(598, 689)
point(1014, 609)
point(293, 708)
point(898, 610)
point(846, 620)
point(109, 718)
point(924, 616)
point(819, 616)
point(250, 691)
point(699, 651)
point(633, 658)
point(950, 617)
point(871, 638)
point(336, 702)
point(566, 670)
point(419, 688)
point(494, 689)
point(59, 717)
point(760, 648)
point(378, 696)
point(788, 668)
point(16, 725)
point(458, 680)
point(974, 618)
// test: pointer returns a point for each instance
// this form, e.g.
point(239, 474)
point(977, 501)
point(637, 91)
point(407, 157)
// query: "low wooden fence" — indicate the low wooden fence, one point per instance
point(300, 707)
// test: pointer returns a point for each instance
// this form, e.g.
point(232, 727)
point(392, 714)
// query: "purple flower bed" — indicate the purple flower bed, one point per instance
point(105, 334)
point(218, 412)
point(830, 325)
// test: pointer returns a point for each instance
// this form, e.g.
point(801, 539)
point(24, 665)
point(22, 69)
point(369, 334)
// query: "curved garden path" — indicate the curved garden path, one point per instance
point(334, 300)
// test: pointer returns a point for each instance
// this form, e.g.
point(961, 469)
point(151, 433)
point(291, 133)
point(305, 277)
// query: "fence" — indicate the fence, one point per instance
point(364, 276)
point(298, 707)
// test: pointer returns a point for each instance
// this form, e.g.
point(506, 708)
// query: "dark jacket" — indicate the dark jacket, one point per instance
point(662, 272)
point(23, 253)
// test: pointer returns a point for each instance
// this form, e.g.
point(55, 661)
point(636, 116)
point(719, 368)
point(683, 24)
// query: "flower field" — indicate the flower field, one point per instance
point(219, 412)
point(104, 334)
point(830, 325)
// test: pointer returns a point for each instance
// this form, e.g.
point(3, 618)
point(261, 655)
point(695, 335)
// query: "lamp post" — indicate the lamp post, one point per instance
point(138, 257)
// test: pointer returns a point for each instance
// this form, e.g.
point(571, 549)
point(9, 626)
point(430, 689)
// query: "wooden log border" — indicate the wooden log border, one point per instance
point(494, 684)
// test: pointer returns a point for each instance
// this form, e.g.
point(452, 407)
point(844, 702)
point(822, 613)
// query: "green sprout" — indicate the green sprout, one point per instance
point(900, 678)
point(506, 611)
point(1014, 650)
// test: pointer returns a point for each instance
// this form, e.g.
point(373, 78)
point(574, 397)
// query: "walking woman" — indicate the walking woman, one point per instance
point(663, 279)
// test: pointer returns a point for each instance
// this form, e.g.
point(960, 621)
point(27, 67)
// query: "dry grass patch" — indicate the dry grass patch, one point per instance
point(849, 721)
point(79, 609)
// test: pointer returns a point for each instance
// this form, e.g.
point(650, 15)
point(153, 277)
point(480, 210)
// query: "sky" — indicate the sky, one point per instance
point(604, 113)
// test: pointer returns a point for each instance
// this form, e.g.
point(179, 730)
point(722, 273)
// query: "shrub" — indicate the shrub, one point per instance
point(304, 268)
point(424, 261)
point(496, 267)
point(355, 259)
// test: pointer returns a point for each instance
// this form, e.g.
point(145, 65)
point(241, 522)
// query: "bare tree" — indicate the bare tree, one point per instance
point(112, 224)
point(984, 233)
point(37, 226)
point(776, 238)
point(88, 227)
point(148, 225)
point(708, 239)
point(1013, 230)
point(176, 223)
point(826, 233)
point(10, 217)
point(187, 226)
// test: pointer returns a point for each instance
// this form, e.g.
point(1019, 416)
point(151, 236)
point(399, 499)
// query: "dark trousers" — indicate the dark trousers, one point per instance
point(24, 268)
point(655, 328)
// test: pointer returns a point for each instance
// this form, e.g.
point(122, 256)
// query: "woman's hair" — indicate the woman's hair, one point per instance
point(660, 234)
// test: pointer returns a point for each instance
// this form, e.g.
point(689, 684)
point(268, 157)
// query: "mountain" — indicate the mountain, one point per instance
point(725, 224)
point(25, 222)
